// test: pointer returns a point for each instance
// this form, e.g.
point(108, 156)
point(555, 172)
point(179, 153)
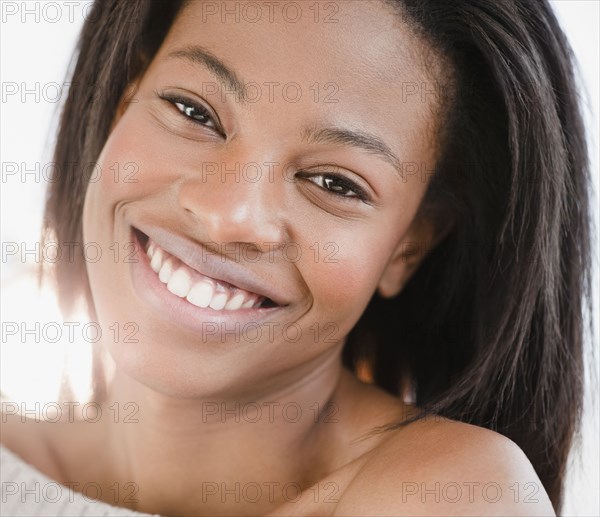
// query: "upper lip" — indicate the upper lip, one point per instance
point(211, 264)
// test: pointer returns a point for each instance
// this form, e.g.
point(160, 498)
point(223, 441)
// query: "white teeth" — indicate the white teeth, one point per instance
point(166, 271)
point(235, 303)
point(180, 282)
point(218, 301)
point(156, 261)
point(201, 294)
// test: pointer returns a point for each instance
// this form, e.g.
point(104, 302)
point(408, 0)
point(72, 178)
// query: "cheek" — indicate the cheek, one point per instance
point(120, 177)
point(133, 165)
point(343, 273)
point(344, 269)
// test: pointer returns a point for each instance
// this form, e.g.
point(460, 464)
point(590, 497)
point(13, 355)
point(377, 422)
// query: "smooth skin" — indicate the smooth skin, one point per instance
point(368, 54)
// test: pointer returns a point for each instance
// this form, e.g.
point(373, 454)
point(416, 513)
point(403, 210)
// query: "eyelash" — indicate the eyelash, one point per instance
point(345, 183)
point(184, 110)
point(184, 105)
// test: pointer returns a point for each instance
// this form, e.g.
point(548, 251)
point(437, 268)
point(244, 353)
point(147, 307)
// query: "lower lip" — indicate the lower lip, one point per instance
point(170, 307)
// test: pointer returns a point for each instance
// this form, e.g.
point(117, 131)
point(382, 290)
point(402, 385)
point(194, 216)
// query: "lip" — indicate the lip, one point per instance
point(178, 310)
point(210, 264)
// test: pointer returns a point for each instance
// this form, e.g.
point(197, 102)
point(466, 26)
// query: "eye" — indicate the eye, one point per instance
point(338, 185)
point(193, 112)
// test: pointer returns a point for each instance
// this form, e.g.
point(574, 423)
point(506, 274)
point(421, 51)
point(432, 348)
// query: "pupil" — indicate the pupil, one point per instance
point(330, 183)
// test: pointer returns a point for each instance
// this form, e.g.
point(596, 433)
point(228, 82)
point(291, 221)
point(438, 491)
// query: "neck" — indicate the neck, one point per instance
point(220, 455)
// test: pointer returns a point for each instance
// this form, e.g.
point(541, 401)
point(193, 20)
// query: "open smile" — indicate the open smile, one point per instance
point(191, 287)
point(198, 289)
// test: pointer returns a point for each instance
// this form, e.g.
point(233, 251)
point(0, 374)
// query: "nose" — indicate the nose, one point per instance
point(229, 202)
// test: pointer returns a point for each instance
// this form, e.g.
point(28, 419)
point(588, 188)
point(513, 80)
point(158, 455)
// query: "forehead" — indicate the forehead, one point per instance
point(365, 32)
point(357, 58)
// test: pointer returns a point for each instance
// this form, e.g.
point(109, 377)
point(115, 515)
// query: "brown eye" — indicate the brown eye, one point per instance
point(193, 112)
point(334, 185)
point(196, 113)
point(337, 185)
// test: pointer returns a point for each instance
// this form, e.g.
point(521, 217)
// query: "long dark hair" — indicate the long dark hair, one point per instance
point(490, 329)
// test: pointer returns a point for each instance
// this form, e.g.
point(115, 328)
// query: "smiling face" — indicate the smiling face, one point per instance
point(289, 192)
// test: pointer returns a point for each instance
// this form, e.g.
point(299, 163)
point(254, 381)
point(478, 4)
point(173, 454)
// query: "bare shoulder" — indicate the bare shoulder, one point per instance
point(25, 437)
point(444, 467)
point(38, 441)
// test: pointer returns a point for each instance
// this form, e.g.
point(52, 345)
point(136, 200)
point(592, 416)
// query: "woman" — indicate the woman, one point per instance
point(308, 214)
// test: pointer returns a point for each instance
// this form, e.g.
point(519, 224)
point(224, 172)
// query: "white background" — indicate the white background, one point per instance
point(35, 54)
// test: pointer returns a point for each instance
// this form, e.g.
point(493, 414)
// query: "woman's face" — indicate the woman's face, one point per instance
point(276, 154)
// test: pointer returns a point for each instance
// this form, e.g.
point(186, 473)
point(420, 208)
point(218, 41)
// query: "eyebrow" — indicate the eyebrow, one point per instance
point(203, 57)
point(368, 142)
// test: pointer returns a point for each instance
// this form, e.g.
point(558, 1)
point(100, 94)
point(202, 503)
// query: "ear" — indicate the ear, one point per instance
point(422, 237)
